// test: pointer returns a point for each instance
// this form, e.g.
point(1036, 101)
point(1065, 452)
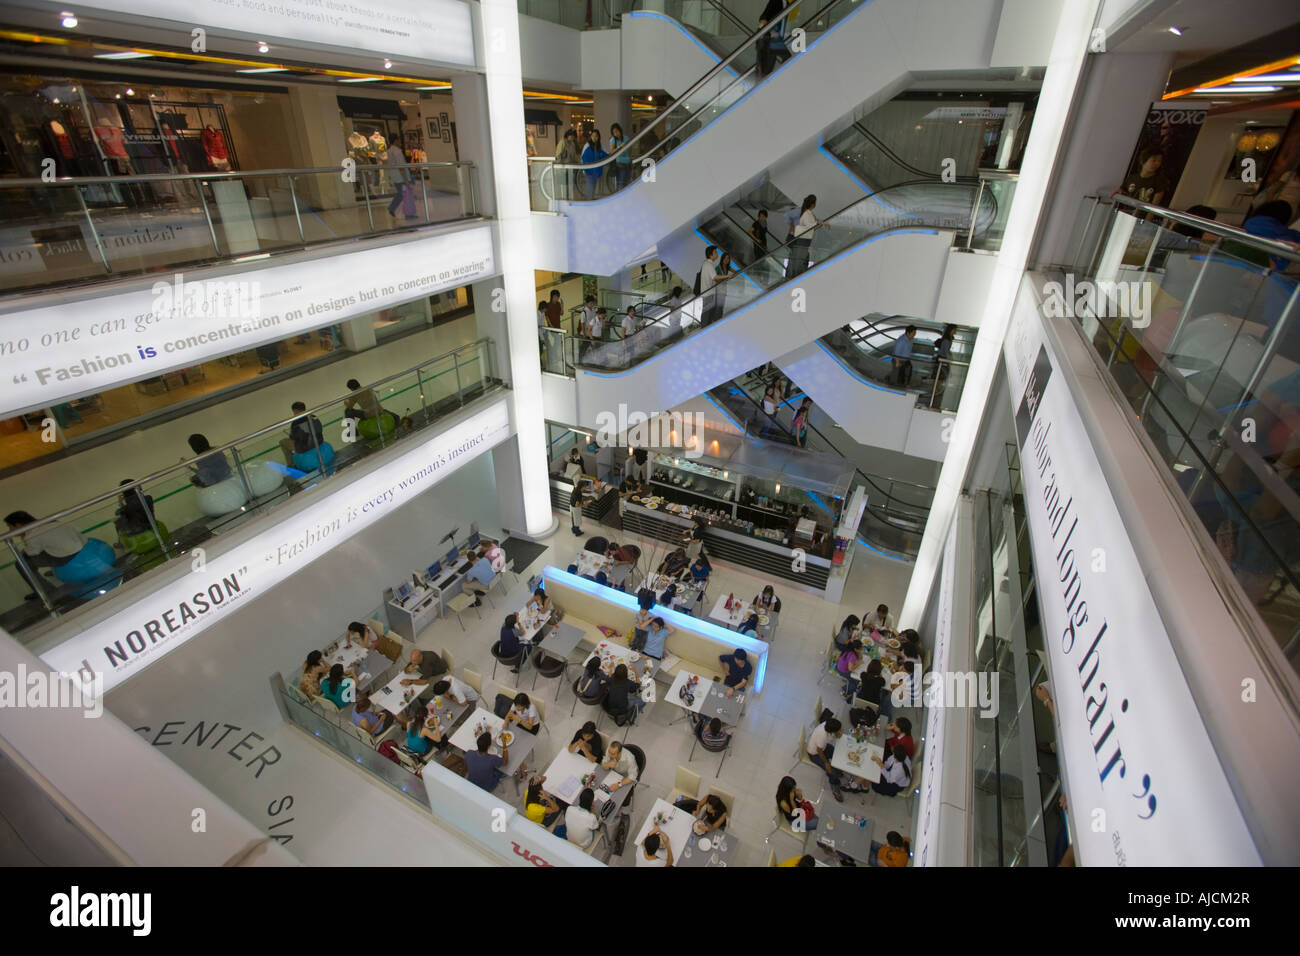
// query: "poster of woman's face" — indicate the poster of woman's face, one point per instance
point(1161, 153)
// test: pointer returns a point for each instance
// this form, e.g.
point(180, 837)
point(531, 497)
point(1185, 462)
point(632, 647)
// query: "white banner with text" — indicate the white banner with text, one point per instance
point(174, 612)
point(54, 353)
point(1145, 786)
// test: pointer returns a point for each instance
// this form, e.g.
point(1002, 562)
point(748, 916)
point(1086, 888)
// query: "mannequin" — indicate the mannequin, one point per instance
point(214, 147)
point(112, 146)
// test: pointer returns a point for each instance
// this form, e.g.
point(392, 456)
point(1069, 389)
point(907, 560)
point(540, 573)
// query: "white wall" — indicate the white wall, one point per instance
point(966, 279)
point(551, 54)
point(1024, 32)
point(877, 47)
point(895, 273)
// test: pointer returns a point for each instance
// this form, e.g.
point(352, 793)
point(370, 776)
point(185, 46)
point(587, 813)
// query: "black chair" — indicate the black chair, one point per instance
point(597, 701)
point(497, 658)
point(723, 748)
point(639, 756)
point(549, 667)
point(501, 706)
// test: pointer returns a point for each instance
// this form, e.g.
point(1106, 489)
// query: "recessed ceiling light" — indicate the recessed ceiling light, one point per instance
point(56, 99)
point(266, 69)
point(388, 64)
point(1176, 31)
point(363, 79)
point(1269, 77)
point(68, 19)
point(431, 87)
point(262, 47)
point(1237, 89)
point(123, 55)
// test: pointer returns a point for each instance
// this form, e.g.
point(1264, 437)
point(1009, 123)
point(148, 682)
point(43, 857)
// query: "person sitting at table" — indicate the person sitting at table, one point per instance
point(588, 743)
point(592, 678)
point(371, 721)
point(625, 559)
point(791, 805)
point(749, 626)
point(641, 623)
point(424, 666)
point(712, 812)
point(512, 643)
point(580, 824)
point(739, 670)
point(847, 631)
point(524, 713)
point(483, 768)
point(313, 669)
point(849, 658)
point(423, 731)
point(675, 564)
point(479, 577)
point(893, 852)
point(871, 688)
point(362, 635)
point(711, 732)
point(656, 638)
point(598, 544)
point(701, 569)
point(895, 772)
point(806, 860)
point(539, 805)
point(902, 737)
point(496, 557)
point(619, 759)
point(767, 602)
point(541, 603)
point(879, 620)
point(656, 850)
point(621, 692)
point(821, 749)
point(339, 688)
point(911, 649)
point(460, 692)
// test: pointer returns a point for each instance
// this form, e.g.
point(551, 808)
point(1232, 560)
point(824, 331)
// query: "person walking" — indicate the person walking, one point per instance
point(568, 154)
point(942, 360)
point(592, 154)
point(401, 178)
point(706, 282)
point(622, 165)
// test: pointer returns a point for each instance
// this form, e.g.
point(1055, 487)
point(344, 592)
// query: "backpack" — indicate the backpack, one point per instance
point(620, 835)
point(697, 283)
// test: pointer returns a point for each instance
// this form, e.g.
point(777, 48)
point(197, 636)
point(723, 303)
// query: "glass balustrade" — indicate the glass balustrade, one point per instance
point(161, 517)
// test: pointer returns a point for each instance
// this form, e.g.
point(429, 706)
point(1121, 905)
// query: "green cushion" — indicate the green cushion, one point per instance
point(369, 427)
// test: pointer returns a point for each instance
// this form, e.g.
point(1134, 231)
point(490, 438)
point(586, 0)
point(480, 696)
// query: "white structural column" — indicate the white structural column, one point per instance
point(507, 176)
point(1064, 66)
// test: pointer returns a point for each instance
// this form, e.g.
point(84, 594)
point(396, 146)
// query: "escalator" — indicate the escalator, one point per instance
point(885, 253)
point(696, 151)
point(896, 512)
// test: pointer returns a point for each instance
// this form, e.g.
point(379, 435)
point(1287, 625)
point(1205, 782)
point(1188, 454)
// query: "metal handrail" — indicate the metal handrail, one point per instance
point(1271, 246)
point(722, 65)
point(205, 177)
point(219, 449)
point(785, 246)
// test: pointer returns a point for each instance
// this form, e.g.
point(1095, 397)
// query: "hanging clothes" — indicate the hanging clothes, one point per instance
point(214, 147)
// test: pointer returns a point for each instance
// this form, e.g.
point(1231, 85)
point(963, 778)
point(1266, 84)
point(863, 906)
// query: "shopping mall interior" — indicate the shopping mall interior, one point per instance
point(883, 439)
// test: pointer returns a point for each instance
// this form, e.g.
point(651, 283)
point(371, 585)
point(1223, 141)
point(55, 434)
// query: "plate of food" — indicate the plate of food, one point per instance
point(507, 737)
point(706, 844)
point(701, 827)
point(893, 642)
point(652, 505)
point(763, 619)
point(854, 757)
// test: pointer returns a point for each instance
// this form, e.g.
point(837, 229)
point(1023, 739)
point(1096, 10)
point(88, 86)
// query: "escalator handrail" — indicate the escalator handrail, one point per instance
point(879, 144)
point(722, 66)
point(921, 510)
point(785, 246)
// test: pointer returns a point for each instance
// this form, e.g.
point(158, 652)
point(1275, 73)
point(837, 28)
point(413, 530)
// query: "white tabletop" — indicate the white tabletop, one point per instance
point(686, 594)
point(611, 655)
point(740, 609)
point(866, 768)
point(395, 698)
point(564, 777)
point(589, 562)
point(348, 656)
point(702, 690)
point(678, 826)
point(532, 622)
point(466, 738)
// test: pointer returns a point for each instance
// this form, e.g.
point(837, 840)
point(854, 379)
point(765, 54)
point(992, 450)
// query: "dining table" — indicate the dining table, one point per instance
point(735, 616)
point(520, 744)
point(589, 563)
point(853, 756)
point(677, 825)
point(611, 655)
point(709, 698)
point(847, 832)
point(564, 781)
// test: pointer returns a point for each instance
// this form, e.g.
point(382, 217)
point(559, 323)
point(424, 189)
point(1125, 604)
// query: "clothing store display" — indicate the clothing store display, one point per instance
point(214, 148)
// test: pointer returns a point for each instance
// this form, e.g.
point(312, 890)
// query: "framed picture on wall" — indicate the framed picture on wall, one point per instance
point(446, 134)
point(445, 120)
point(435, 132)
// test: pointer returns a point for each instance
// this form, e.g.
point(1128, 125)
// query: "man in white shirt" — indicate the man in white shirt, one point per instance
point(56, 543)
point(588, 316)
point(456, 689)
point(655, 850)
point(580, 824)
point(619, 759)
point(708, 279)
point(675, 304)
point(596, 328)
point(631, 324)
point(821, 749)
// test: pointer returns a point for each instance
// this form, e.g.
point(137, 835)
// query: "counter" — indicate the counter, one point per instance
point(605, 501)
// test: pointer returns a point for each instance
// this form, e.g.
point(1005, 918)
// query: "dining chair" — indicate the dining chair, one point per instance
point(597, 701)
point(771, 857)
point(686, 783)
point(541, 712)
point(474, 679)
point(513, 660)
point(449, 659)
point(460, 603)
point(548, 667)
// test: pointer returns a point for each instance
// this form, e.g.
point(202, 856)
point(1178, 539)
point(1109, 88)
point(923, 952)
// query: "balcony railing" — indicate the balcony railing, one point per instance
point(88, 229)
point(1203, 344)
point(150, 521)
